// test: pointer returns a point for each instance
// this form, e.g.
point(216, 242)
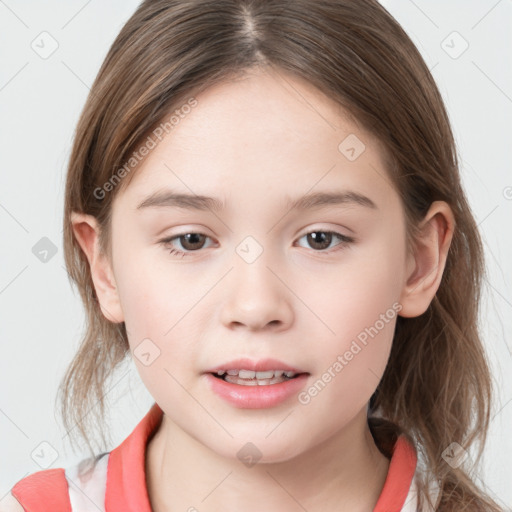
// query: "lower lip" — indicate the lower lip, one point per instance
point(256, 397)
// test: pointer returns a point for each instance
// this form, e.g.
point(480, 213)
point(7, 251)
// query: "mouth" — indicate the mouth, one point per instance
point(253, 378)
point(246, 383)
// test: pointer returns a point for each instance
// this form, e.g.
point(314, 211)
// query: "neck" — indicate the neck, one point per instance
point(345, 472)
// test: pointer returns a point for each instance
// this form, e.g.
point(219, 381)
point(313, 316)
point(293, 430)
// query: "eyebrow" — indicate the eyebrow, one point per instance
point(170, 199)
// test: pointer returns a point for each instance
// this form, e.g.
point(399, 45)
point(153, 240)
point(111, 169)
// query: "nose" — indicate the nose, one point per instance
point(257, 297)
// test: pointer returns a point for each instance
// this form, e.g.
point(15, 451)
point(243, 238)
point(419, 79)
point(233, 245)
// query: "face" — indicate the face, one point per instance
point(316, 285)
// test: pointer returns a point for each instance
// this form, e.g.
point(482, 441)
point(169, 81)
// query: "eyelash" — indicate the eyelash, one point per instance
point(345, 240)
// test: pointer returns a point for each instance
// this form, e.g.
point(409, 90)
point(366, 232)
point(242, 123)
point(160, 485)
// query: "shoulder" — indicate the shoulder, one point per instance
point(10, 504)
point(46, 488)
point(74, 488)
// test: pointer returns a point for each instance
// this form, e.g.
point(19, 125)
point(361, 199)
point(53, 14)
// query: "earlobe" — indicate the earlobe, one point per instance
point(86, 231)
point(426, 266)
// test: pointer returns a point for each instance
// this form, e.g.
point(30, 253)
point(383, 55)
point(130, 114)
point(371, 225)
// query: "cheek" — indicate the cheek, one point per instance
point(141, 296)
point(359, 311)
point(160, 303)
point(149, 304)
point(351, 362)
point(159, 332)
point(148, 288)
point(354, 294)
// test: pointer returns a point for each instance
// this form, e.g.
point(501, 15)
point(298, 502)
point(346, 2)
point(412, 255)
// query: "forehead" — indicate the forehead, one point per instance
point(264, 132)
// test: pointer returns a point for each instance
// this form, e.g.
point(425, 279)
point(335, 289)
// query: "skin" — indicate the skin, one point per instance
point(254, 142)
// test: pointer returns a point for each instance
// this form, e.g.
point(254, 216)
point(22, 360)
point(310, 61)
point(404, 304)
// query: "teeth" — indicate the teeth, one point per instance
point(246, 374)
point(234, 379)
point(260, 375)
point(249, 374)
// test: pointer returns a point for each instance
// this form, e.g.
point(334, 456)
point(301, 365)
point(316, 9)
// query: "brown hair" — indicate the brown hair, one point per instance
point(436, 388)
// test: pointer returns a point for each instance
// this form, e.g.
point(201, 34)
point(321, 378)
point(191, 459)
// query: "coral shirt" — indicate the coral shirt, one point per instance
point(117, 482)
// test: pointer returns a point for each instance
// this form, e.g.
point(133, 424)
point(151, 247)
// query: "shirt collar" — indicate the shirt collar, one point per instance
point(126, 489)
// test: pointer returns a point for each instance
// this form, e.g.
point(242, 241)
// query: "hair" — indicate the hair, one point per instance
point(436, 389)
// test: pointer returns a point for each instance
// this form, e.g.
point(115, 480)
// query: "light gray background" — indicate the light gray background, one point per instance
point(40, 101)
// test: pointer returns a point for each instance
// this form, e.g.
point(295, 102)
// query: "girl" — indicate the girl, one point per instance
point(264, 209)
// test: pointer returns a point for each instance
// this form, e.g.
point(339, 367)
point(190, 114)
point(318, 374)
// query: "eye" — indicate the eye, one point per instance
point(323, 239)
point(193, 242)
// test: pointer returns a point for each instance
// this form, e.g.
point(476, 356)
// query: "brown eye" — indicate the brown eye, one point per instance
point(322, 240)
point(189, 242)
point(319, 239)
point(192, 241)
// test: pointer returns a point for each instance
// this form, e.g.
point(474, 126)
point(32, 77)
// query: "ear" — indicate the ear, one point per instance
point(87, 231)
point(426, 266)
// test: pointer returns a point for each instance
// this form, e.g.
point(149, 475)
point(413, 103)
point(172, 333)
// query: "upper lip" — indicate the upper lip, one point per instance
point(256, 366)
